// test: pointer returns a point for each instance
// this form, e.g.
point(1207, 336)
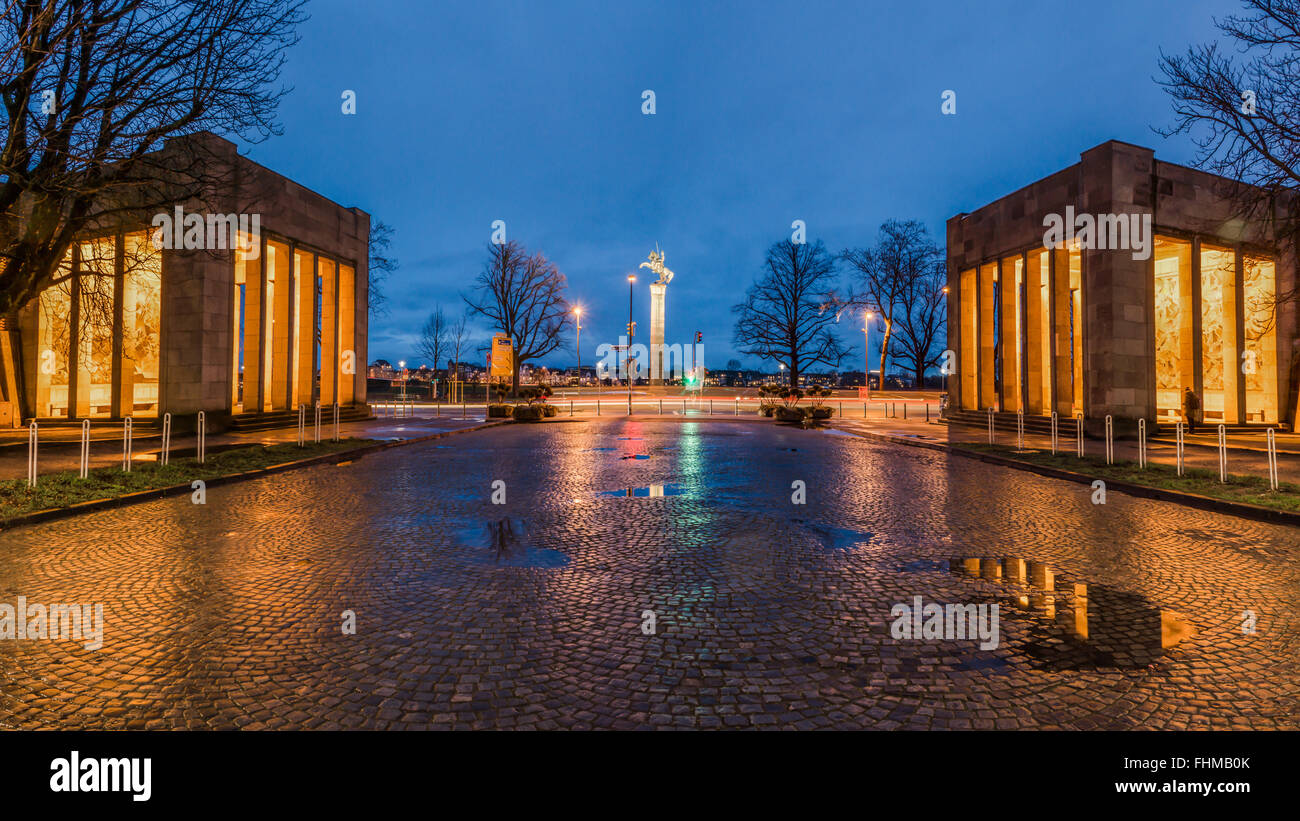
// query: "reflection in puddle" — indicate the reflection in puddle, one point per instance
point(637, 456)
point(504, 543)
point(837, 538)
point(648, 491)
point(1081, 624)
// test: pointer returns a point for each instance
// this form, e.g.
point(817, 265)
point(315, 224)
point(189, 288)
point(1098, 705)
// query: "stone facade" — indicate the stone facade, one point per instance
point(1077, 332)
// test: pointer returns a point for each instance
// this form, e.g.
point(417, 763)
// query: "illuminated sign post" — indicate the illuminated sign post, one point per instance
point(501, 358)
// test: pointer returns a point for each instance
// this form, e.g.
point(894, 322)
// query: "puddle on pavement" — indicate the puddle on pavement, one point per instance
point(1075, 625)
point(599, 450)
point(837, 538)
point(636, 456)
point(647, 491)
point(505, 543)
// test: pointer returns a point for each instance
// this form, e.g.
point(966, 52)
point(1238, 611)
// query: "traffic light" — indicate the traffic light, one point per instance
point(699, 337)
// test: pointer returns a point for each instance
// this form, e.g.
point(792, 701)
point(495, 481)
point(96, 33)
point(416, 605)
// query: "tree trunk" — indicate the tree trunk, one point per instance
point(884, 351)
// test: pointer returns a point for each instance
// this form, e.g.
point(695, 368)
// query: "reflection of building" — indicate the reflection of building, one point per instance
point(1092, 330)
point(128, 329)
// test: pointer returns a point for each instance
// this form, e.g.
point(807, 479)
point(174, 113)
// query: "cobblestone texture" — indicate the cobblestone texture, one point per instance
point(769, 614)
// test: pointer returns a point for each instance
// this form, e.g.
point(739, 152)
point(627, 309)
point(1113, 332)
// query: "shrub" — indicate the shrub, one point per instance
point(822, 412)
point(790, 414)
point(499, 411)
point(527, 413)
point(550, 411)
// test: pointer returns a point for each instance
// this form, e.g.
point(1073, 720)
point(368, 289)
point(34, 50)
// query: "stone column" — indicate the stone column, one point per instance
point(657, 293)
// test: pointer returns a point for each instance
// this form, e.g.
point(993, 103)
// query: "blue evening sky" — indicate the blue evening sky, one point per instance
point(767, 112)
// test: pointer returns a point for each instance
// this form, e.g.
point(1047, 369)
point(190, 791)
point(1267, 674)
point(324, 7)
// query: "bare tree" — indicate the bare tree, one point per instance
point(458, 340)
point(785, 314)
point(1242, 110)
point(920, 326)
point(381, 266)
point(433, 338)
point(522, 295)
point(91, 89)
point(885, 274)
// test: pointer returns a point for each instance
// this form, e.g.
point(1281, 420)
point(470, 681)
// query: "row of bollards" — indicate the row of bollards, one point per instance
point(1143, 461)
point(128, 446)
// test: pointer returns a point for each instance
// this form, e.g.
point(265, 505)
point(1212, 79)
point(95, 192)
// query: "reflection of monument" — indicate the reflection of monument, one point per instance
point(657, 290)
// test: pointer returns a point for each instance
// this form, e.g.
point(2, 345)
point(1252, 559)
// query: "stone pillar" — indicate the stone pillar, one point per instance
point(988, 388)
point(1037, 345)
point(198, 333)
point(657, 293)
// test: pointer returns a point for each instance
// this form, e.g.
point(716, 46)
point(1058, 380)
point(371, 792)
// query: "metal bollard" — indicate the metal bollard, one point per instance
point(864, 410)
point(1054, 432)
point(1142, 443)
point(1078, 432)
point(85, 448)
point(126, 445)
point(570, 407)
point(302, 425)
point(738, 407)
point(1223, 454)
point(167, 438)
point(904, 410)
point(336, 421)
point(31, 454)
point(1020, 430)
point(316, 439)
point(1272, 460)
point(203, 437)
point(1178, 445)
point(598, 407)
point(710, 407)
point(991, 441)
point(1110, 440)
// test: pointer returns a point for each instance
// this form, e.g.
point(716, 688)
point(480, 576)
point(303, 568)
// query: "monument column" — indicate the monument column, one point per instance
point(657, 291)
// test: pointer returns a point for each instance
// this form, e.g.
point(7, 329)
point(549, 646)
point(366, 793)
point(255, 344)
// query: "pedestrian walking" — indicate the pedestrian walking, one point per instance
point(1191, 408)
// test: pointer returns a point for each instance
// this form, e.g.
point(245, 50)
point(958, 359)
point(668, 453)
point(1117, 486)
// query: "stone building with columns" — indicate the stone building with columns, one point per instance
point(244, 303)
point(1155, 285)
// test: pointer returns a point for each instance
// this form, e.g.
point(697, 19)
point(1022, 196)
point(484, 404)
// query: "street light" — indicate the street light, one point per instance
point(577, 312)
point(401, 363)
point(631, 331)
point(943, 368)
point(866, 354)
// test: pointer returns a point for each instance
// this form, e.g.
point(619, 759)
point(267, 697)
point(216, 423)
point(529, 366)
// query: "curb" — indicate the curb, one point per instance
point(1243, 509)
point(177, 490)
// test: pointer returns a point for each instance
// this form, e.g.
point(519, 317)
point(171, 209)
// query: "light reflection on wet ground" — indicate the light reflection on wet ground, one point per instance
point(768, 612)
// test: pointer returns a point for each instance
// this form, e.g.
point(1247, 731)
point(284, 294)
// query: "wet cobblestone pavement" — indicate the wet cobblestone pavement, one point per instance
point(530, 614)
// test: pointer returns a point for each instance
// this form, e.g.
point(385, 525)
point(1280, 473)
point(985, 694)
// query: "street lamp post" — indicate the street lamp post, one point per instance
point(577, 312)
point(866, 354)
point(943, 368)
point(631, 332)
point(402, 364)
